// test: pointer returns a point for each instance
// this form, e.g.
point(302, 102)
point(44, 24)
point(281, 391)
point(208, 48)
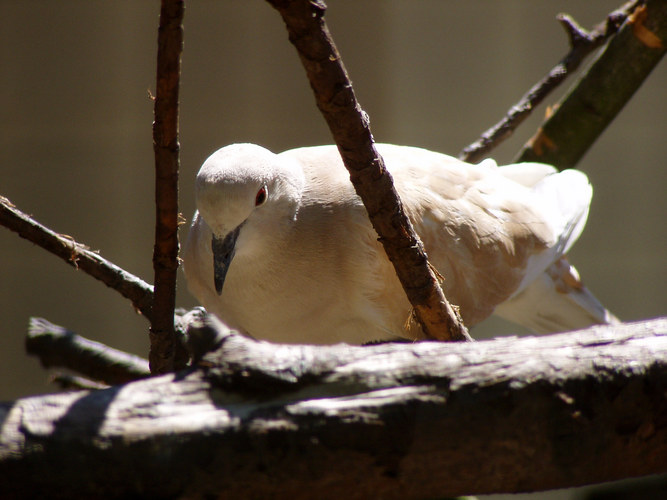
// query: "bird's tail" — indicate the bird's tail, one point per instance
point(557, 301)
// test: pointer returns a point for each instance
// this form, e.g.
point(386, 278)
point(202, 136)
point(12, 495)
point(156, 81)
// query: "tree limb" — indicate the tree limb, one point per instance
point(165, 352)
point(582, 43)
point(350, 127)
point(79, 256)
point(259, 420)
point(57, 347)
point(601, 93)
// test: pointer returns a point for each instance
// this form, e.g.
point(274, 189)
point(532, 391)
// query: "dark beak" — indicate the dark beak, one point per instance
point(223, 253)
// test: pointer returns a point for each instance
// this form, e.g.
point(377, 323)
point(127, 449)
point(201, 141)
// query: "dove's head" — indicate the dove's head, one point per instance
point(245, 194)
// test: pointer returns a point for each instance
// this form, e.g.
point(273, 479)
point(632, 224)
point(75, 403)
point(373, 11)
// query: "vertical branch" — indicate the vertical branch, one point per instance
point(350, 128)
point(164, 349)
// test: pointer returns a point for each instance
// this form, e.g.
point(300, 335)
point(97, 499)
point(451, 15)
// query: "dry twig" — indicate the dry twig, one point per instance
point(601, 93)
point(79, 256)
point(582, 43)
point(69, 382)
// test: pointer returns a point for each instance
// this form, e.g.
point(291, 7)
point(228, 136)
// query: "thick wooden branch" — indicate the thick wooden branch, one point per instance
point(350, 128)
point(165, 352)
point(582, 43)
point(56, 346)
point(601, 93)
point(79, 256)
point(258, 420)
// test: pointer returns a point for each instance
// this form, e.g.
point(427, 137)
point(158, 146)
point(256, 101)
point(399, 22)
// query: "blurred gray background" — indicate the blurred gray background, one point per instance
point(76, 147)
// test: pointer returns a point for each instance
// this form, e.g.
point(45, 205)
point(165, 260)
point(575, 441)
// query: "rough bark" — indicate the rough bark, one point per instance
point(258, 420)
point(601, 93)
point(165, 353)
point(350, 127)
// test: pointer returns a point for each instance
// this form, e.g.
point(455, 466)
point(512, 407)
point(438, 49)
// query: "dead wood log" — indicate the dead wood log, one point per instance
point(258, 420)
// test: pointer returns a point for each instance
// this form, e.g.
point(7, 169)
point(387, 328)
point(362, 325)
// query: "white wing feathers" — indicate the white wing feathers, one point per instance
point(555, 301)
point(563, 199)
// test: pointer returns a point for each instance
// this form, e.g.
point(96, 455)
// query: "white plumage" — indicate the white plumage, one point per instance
point(297, 260)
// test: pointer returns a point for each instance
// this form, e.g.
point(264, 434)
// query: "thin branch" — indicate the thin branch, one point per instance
point(79, 256)
point(582, 43)
point(601, 93)
point(165, 353)
point(57, 347)
point(420, 420)
point(69, 382)
point(350, 127)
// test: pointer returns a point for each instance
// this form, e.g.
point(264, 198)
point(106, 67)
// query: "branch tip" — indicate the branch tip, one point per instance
point(576, 34)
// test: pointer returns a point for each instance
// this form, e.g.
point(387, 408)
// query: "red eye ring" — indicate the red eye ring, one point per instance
point(261, 196)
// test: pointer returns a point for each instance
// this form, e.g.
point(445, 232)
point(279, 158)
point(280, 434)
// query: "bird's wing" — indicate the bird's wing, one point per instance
point(563, 199)
point(527, 174)
point(491, 231)
point(497, 234)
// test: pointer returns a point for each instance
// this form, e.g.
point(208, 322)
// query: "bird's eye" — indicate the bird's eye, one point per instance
point(262, 194)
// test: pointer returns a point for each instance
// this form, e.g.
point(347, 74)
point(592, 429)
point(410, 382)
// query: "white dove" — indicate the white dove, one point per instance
point(281, 247)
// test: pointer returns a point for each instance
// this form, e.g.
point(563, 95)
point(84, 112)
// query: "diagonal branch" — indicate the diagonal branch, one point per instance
point(79, 256)
point(601, 93)
point(165, 353)
point(582, 43)
point(350, 127)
